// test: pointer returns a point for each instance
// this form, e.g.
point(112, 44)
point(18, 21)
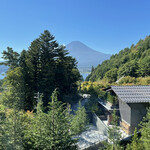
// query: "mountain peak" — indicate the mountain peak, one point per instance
point(76, 44)
point(85, 55)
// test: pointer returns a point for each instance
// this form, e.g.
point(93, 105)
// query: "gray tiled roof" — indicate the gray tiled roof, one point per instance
point(133, 94)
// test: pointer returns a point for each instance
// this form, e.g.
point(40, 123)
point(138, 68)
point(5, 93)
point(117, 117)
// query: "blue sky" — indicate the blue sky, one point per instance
point(104, 25)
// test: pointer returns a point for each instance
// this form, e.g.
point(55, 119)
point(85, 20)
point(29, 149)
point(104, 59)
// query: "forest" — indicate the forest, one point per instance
point(133, 62)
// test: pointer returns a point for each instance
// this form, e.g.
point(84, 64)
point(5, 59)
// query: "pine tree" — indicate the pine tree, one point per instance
point(12, 122)
point(66, 75)
point(136, 143)
point(29, 101)
point(79, 120)
point(13, 96)
point(12, 134)
point(51, 130)
point(44, 67)
point(145, 130)
point(35, 133)
point(2, 118)
point(49, 67)
point(32, 70)
point(47, 62)
point(58, 128)
point(11, 57)
point(114, 134)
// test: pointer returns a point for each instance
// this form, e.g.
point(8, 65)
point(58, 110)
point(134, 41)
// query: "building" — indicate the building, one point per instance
point(133, 101)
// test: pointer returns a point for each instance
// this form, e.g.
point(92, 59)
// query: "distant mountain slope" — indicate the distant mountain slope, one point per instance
point(85, 56)
point(133, 61)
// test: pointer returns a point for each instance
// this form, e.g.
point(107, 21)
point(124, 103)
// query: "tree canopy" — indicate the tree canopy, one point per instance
point(45, 66)
point(133, 61)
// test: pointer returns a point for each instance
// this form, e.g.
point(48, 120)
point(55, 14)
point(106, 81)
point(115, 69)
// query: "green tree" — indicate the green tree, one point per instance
point(79, 120)
point(114, 134)
point(92, 105)
point(2, 118)
point(92, 69)
point(136, 143)
point(11, 57)
point(66, 76)
point(12, 131)
point(13, 118)
point(13, 95)
point(49, 67)
point(27, 83)
point(51, 130)
point(111, 75)
point(144, 69)
point(59, 126)
point(35, 133)
point(145, 130)
point(44, 67)
point(133, 61)
point(128, 69)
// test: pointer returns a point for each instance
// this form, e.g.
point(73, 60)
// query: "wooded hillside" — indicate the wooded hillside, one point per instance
point(133, 61)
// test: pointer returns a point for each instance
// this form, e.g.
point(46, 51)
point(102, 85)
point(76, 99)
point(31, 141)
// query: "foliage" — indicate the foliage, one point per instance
point(114, 134)
point(133, 61)
point(134, 81)
point(96, 89)
point(12, 130)
point(51, 130)
point(42, 68)
point(2, 117)
point(111, 75)
point(39, 130)
point(108, 146)
point(136, 143)
point(93, 88)
point(1, 88)
point(13, 96)
point(35, 133)
point(1, 83)
point(142, 142)
point(11, 58)
point(79, 120)
point(12, 120)
point(59, 125)
point(92, 105)
point(110, 97)
point(127, 80)
point(145, 130)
